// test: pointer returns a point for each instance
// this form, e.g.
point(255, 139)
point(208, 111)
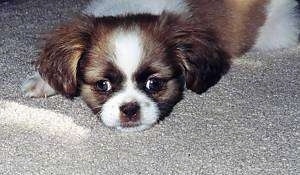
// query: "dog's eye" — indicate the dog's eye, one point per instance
point(154, 84)
point(103, 85)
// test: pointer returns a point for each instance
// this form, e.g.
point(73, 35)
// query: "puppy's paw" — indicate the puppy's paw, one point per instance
point(36, 87)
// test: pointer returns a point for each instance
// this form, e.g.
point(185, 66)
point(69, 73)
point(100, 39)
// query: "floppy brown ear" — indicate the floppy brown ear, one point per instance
point(202, 60)
point(63, 48)
point(198, 51)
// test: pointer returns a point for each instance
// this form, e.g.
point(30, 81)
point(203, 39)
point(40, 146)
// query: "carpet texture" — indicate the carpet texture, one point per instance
point(246, 124)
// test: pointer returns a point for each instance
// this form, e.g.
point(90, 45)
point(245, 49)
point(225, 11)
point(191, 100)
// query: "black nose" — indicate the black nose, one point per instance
point(130, 109)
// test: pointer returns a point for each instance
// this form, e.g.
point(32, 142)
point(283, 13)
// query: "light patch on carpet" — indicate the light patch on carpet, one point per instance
point(41, 120)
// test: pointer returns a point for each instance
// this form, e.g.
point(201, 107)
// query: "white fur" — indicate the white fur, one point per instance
point(281, 28)
point(128, 48)
point(121, 7)
point(35, 86)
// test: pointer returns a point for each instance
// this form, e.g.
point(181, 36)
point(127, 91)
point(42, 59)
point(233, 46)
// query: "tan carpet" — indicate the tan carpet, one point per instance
point(247, 124)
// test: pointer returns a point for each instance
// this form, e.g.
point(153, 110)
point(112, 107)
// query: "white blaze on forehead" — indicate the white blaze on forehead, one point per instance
point(128, 49)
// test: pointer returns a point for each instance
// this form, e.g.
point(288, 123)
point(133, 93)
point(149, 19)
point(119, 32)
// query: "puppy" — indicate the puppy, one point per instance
point(131, 60)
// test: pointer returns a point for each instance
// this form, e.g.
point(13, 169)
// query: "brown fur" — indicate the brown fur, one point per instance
point(195, 50)
point(235, 22)
point(58, 60)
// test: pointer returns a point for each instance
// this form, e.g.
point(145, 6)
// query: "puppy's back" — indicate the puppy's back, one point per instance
point(242, 25)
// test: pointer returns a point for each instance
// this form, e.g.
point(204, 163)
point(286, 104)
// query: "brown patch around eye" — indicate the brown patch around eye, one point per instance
point(167, 88)
point(154, 84)
point(96, 67)
point(93, 99)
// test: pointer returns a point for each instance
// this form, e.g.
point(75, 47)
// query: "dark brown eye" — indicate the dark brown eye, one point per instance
point(154, 85)
point(103, 85)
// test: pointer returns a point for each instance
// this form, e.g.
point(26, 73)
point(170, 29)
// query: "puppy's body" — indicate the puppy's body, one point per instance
point(240, 25)
point(130, 60)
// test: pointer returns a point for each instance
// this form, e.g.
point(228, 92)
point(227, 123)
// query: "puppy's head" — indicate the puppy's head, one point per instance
point(131, 70)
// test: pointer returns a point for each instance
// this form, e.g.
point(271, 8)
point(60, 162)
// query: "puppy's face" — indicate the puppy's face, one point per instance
point(129, 79)
point(131, 70)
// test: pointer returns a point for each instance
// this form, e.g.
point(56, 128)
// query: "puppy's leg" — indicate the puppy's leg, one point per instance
point(35, 86)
